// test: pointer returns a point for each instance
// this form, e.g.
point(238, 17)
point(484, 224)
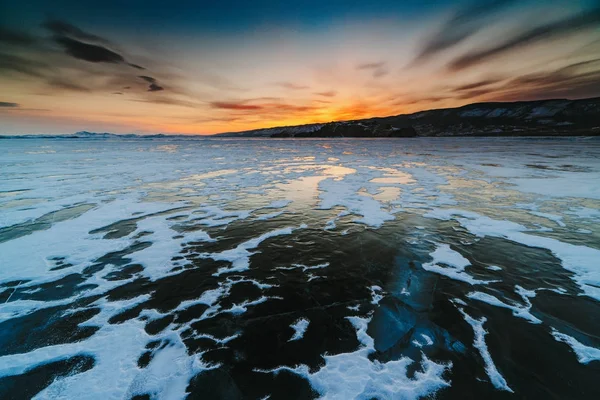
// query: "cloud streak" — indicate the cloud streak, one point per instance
point(328, 93)
point(229, 105)
point(378, 69)
point(476, 85)
point(76, 43)
point(11, 37)
point(154, 86)
point(21, 65)
point(466, 22)
point(548, 31)
point(292, 85)
point(62, 28)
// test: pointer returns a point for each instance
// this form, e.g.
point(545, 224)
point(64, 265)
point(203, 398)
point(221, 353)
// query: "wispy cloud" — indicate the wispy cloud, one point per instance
point(76, 43)
point(12, 37)
point(62, 28)
point(466, 22)
point(64, 84)
point(231, 105)
point(154, 86)
point(378, 69)
point(292, 85)
point(477, 85)
point(562, 27)
point(328, 93)
point(22, 65)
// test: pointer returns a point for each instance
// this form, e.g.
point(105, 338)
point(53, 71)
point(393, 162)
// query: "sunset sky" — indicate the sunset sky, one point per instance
point(201, 67)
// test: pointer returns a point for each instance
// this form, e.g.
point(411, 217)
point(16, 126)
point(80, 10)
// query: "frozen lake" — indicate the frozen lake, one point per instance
point(298, 269)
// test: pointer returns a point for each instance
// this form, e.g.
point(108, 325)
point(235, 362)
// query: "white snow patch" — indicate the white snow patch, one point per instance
point(268, 216)
point(551, 217)
point(299, 328)
point(479, 342)
point(240, 256)
point(353, 376)
point(580, 260)
point(278, 204)
point(520, 311)
point(585, 354)
point(455, 262)
point(376, 294)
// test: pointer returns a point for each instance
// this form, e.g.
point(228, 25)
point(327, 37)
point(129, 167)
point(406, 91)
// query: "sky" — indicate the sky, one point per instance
point(203, 67)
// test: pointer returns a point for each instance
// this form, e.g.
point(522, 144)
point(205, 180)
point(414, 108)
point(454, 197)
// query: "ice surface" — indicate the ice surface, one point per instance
point(116, 349)
point(90, 211)
point(584, 212)
point(581, 260)
point(354, 376)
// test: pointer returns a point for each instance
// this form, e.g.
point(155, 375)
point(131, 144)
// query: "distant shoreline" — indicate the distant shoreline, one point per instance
point(556, 118)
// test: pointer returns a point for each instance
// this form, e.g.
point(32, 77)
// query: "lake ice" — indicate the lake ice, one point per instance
point(283, 269)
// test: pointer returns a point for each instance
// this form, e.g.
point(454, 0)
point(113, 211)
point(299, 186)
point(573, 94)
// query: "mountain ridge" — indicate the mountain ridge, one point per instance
point(552, 117)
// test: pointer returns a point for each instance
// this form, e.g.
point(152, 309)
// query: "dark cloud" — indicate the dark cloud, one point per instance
point(465, 23)
point(21, 65)
point(471, 94)
point(420, 100)
point(552, 30)
point(379, 68)
point(268, 109)
point(89, 52)
point(9, 36)
point(83, 45)
point(63, 84)
point(329, 93)
point(154, 86)
point(227, 105)
point(291, 85)
point(169, 101)
point(575, 80)
point(281, 107)
point(373, 65)
point(5, 104)
point(61, 28)
point(572, 67)
point(477, 85)
point(378, 73)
